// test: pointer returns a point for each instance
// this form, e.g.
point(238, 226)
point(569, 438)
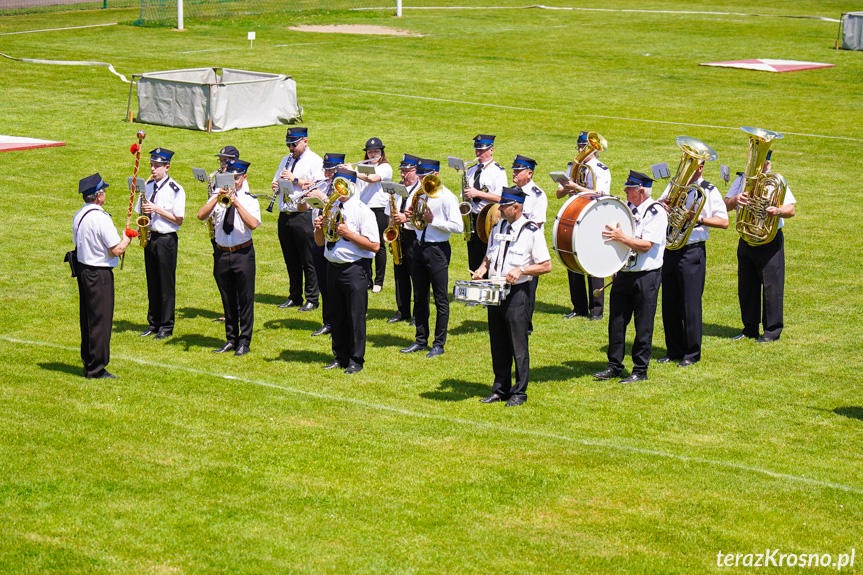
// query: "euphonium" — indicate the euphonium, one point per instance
point(580, 170)
point(431, 185)
point(343, 189)
point(683, 215)
point(392, 235)
point(765, 189)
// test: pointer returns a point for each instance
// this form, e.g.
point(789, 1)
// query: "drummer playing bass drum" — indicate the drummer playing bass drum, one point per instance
point(516, 251)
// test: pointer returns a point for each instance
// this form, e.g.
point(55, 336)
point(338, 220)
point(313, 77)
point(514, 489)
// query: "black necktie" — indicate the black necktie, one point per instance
point(476, 176)
point(228, 222)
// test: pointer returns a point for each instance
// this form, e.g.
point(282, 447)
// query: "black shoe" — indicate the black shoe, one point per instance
point(289, 303)
point(242, 350)
point(163, 335)
point(396, 318)
point(353, 368)
point(633, 377)
point(308, 306)
point(516, 400)
point(227, 347)
point(609, 373)
point(765, 339)
point(413, 322)
point(333, 365)
point(595, 317)
point(148, 332)
point(571, 315)
point(665, 359)
point(493, 398)
point(740, 336)
point(435, 351)
point(414, 347)
point(104, 375)
point(687, 363)
point(323, 331)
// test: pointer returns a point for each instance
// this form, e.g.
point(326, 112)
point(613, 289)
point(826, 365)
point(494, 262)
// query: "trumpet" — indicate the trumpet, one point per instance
point(224, 199)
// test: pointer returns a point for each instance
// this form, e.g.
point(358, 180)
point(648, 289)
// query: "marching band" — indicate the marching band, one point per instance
point(336, 219)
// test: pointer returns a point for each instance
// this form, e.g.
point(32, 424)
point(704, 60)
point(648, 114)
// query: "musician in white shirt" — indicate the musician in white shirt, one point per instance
point(408, 238)
point(485, 180)
point(372, 194)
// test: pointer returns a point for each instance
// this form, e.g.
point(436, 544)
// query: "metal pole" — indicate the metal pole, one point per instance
point(398, 8)
point(179, 14)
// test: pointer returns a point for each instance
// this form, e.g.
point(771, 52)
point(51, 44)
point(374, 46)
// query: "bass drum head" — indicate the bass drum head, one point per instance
point(597, 257)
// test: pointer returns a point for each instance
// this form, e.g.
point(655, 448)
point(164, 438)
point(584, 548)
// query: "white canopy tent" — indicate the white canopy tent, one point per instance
point(214, 99)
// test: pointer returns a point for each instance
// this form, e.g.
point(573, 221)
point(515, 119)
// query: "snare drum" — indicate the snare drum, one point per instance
point(480, 292)
point(577, 234)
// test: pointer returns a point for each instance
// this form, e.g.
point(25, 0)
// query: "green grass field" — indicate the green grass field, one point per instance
point(194, 463)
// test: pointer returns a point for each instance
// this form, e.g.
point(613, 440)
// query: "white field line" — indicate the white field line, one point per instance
point(484, 104)
point(637, 11)
point(371, 39)
point(503, 429)
point(58, 29)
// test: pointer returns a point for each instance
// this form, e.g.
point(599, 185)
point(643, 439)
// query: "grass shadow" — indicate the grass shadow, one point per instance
point(293, 323)
point(852, 411)
point(387, 340)
point(713, 330)
point(63, 368)
point(566, 370)
point(456, 390)
point(193, 312)
point(123, 325)
point(469, 326)
point(377, 313)
point(303, 356)
point(267, 298)
point(553, 308)
point(191, 340)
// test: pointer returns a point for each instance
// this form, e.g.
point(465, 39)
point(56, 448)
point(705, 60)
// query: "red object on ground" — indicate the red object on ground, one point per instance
point(15, 143)
point(770, 65)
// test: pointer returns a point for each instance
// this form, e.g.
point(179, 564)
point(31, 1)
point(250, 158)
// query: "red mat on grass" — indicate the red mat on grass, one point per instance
point(14, 143)
point(768, 65)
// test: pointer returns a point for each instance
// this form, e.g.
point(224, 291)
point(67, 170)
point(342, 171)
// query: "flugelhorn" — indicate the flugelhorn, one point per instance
point(765, 189)
point(683, 214)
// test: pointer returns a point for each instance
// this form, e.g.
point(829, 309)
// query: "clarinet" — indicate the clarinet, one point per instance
point(273, 200)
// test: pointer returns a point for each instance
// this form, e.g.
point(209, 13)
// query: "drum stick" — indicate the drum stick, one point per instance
point(598, 291)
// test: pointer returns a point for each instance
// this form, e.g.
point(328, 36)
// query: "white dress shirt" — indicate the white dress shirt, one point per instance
point(373, 195)
point(360, 219)
point(309, 166)
point(447, 219)
point(737, 188)
point(241, 233)
point(535, 203)
point(713, 207)
point(94, 236)
point(651, 222)
point(493, 177)
point(168, 195)
point(520, 244)
point(403, 203)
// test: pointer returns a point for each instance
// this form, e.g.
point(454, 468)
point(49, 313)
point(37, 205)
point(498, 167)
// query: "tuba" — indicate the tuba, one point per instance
point(431, 185)
point(343, 189)
point(682, 215)
point(765, 189)
point(580, 170)
point(392, 235)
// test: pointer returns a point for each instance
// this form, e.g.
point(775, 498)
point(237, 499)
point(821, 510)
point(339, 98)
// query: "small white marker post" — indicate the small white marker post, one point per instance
point(251, 39)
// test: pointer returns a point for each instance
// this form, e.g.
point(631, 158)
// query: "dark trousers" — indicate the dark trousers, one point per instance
point(235, 278)
point(632, 293)
point(347, 285)
point(683, 273)
point(296, 236)
point(508, 336)
point(476, 248)
point(381, 257)
point(160, 262)
point(321, 265)
point(583, 300)
point(96, 311)
point(761, 286)
point(402, 273)
point(431, 272)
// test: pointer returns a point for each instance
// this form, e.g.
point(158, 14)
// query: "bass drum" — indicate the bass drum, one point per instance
point(577, 234)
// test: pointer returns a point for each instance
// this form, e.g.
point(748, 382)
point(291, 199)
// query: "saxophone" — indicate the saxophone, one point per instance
point(392, 235)
point(464, 207)
point(767, 189)
point(682, 218)
point(143, 220)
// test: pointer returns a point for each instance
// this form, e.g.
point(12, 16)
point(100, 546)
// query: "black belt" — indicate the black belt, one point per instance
point(157, 234)
point(343, 265)
point(427, 244)
point(642, 272)
point(95, 268)
point(292, 214)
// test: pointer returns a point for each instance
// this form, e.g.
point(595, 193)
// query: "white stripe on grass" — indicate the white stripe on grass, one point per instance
point(58, 29)
point(476, 424)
